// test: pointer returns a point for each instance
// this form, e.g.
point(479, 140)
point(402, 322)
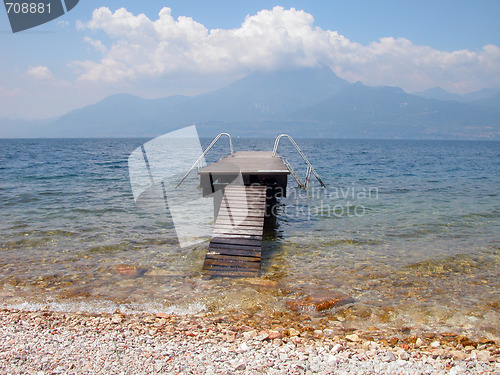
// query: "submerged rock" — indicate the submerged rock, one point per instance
point(319, 301)
point(128, 270)
point(124, 269)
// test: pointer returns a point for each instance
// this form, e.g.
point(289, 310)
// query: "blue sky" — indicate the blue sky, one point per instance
point(87, 55)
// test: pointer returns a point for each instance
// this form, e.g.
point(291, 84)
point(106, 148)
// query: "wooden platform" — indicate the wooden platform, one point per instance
point(255, 167)
point(248, 162)
point(236, 244)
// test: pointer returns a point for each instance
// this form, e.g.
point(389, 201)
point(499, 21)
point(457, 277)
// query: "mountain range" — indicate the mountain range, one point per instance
point(310, 102)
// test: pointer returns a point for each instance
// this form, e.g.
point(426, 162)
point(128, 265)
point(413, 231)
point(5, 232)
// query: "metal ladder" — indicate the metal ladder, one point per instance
point(197, 162)
point(310, 168)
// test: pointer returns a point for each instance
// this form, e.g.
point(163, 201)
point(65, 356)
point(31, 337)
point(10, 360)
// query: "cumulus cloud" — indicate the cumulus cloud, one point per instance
point(96, 44)
point(273, 39)
point(39, 72)
point(43, 74)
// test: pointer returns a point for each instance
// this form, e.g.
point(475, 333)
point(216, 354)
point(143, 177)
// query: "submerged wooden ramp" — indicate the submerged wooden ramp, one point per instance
point(236, 245)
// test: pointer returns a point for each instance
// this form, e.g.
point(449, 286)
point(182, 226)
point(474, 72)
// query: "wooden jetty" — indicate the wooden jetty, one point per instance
point(249, 182)
point(236, 245)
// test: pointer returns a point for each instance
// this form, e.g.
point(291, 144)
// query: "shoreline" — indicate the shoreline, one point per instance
point(47, 342)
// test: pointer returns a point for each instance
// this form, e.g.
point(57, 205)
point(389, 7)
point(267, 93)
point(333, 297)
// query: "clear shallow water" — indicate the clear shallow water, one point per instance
point(409, 229)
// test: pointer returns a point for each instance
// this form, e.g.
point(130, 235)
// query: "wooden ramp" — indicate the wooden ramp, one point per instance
point(236, 244)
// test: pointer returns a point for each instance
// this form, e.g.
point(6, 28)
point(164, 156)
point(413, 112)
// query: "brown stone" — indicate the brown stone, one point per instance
point(273, 335)
point(458, 355)
point(352, 338)
point(125, 269)
point(393, 341)
point(448, 334)
point(318, 301)
point(296, 340)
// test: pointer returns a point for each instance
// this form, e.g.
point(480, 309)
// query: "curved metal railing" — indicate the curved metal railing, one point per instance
point(310, 168)
point(196, 163)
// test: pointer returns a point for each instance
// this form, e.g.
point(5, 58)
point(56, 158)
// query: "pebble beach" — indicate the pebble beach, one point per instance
point(46, 342)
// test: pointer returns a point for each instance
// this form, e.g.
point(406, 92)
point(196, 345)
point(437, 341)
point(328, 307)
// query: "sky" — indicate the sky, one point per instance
point(160, 48)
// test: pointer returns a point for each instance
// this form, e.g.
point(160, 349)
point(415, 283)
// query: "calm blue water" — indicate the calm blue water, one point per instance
point(409, 229)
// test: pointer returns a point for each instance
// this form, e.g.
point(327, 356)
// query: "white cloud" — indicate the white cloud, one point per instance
point(39, 72)
point(97, 44)
point(43, 74)
point(141, 48)
point(6, 92)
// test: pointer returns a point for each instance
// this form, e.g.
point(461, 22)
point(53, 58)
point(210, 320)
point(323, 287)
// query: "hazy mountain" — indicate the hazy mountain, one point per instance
point(121, 115)
point(481, 94)
point(306, 102)
point(492, 103)
point(265, 96)
point(389, 112)
point(21, 128)
point(440, 94)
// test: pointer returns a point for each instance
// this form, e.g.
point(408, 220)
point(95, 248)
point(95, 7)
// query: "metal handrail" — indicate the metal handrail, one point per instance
point(204, 153)
point(310, 168)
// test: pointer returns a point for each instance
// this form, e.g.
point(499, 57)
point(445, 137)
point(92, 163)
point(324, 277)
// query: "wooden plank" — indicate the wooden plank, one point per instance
point(250, 221)
point(239, 217)
point(255, 162)
point(244, 231)
point(233, 257)
point(241, 212)
point(240, 252)
point(236, 225)
point(253, 223)
point(234, 252)
point(238, 230)
point(250, 188)
point(243, 198)
point(237, 194)
point(231, 263)
point(243, 206)
point(254, 268)
point(238, 235)
point(234, 246)
point(260, 202)
point(245, 202)
point(244, 189)
point(234, 241)
point(240, 223)
point(252, 211)
point(259, 210)
point(229, 273)
point(241, 193)
point(242, 219)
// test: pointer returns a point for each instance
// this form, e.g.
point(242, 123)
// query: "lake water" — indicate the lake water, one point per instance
point(409, 229)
